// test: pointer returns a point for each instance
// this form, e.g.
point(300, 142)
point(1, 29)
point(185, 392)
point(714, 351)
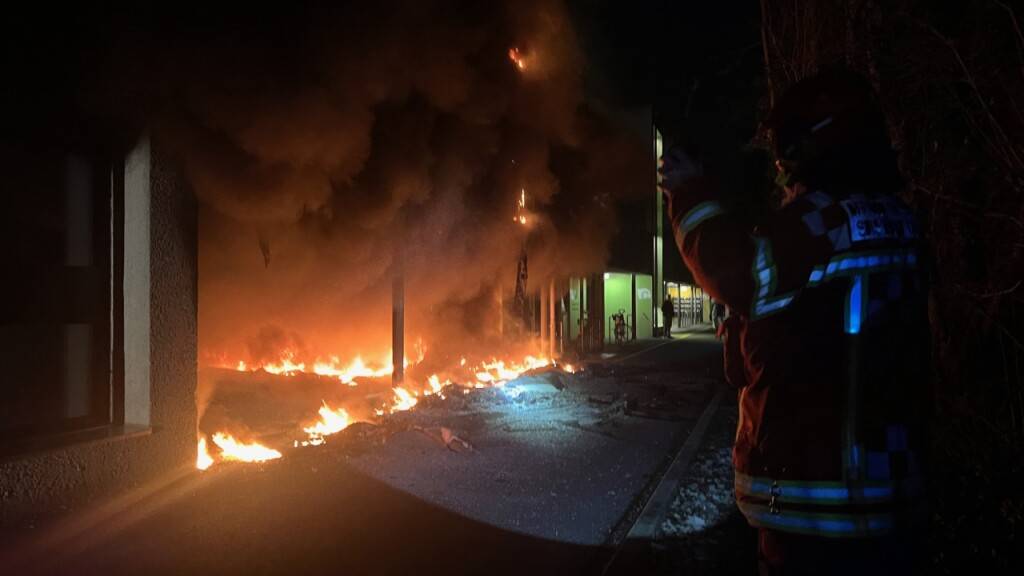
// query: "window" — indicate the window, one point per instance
point(57, 301)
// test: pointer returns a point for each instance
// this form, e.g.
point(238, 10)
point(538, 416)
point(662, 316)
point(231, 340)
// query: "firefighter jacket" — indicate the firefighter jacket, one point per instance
point(829, 350)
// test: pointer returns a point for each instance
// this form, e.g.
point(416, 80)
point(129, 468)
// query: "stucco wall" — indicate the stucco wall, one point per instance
point(49, 483)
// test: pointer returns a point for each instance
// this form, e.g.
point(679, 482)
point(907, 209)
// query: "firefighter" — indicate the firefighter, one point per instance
point(827, 339)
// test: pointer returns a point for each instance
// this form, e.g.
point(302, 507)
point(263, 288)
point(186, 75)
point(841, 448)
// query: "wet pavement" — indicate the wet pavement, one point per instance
point(543, 476)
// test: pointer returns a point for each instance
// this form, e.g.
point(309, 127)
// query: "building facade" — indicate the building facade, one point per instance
point(106, 305)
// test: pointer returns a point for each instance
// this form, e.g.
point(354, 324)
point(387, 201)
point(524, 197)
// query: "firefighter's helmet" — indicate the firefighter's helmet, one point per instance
point(832, 112)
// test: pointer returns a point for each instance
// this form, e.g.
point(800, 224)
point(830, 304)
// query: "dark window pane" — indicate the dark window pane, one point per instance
point(55, 299)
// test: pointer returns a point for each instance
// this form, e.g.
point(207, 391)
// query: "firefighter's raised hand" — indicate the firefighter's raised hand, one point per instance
point(676, 167)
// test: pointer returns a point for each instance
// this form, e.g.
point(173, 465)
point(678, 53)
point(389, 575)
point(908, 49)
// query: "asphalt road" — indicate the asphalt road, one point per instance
point(541, 477)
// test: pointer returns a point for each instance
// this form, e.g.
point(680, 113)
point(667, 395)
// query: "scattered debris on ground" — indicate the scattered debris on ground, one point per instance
point(446, 437)
point(704, 532)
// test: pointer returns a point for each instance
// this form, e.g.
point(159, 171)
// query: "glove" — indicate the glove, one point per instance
point(676, 167)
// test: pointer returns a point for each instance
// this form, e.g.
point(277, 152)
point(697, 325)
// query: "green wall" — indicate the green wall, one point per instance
point(644, 306)
point(618, 289)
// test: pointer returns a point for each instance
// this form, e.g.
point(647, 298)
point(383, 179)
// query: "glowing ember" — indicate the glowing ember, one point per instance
point(520, 216)
point(232, 449)
point(203, 458)
point(517, 57)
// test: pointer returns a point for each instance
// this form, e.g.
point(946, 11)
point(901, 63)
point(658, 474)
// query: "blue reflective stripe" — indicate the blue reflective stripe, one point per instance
point(868, 262)
point(825, 493)
point(763, 254)
point(845, 264)
point(700, 213)
point(817, 275)
point(835, 525)
point(763, 307)
point(854, 305)
point(764, 278)
point(764, 281)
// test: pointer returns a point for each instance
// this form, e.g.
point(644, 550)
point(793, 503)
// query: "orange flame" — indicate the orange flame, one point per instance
point(231, 449)
point(494, 373)
point(355, 369)
point(403, 400)
point(203, 458)
point(520, 216)
point(436, 386)
point(331, 422)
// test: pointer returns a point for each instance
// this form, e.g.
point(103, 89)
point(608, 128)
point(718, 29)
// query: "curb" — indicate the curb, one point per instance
point(648, 525)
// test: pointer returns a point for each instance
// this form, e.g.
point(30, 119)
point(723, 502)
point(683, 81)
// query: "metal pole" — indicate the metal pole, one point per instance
point(551, 319)
point(632, 306)
point(544, 334)
point(398, 315)
point(501, 311)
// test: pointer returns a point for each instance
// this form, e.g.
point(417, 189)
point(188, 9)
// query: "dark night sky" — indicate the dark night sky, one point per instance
point(649, 52)
point(638, 53)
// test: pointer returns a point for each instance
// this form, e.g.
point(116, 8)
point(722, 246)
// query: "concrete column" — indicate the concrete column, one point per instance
point(544, 334)
point(398, 315)
point(500, 299)
point(137, 298)
point(551, 319)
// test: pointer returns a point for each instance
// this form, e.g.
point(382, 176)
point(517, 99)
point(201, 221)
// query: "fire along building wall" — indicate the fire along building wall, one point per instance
point(157, 442)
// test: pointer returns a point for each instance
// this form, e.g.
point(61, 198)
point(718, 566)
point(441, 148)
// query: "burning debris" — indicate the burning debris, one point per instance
point(362, 388)
point(331, 422)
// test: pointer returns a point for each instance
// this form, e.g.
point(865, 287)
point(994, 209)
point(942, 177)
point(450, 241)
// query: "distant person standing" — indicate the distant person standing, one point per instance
point(668, 312)
point(717, 314)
